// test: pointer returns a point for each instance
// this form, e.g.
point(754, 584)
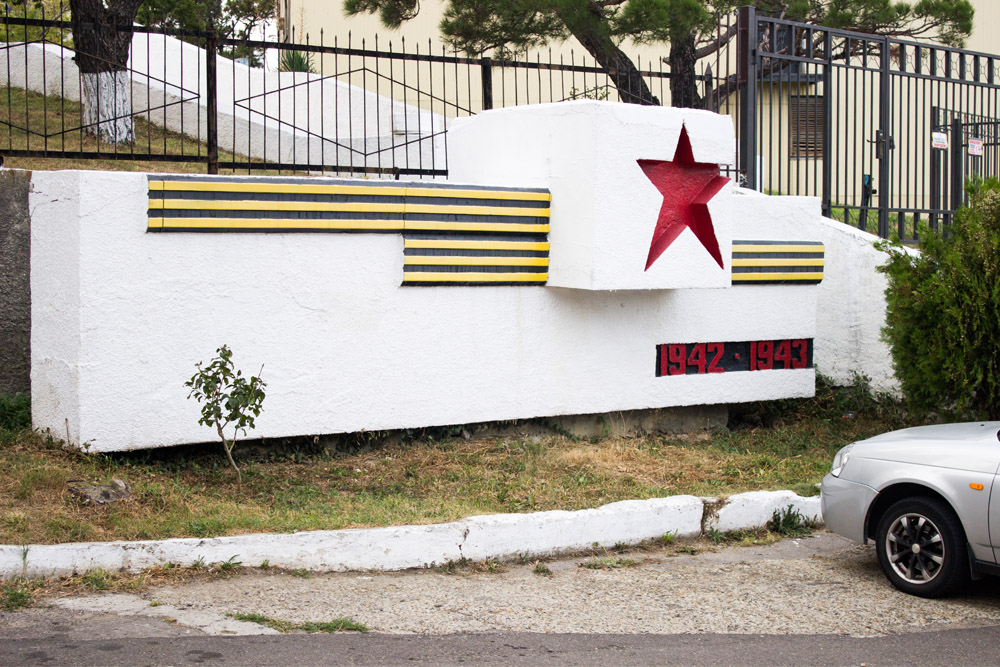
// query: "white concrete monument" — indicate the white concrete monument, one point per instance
point(585, 257)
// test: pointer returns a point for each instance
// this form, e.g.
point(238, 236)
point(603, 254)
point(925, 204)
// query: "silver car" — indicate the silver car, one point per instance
point(923, 496)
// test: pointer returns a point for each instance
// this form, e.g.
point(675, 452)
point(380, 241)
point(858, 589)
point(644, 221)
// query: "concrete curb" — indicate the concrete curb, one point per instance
point(403, 547)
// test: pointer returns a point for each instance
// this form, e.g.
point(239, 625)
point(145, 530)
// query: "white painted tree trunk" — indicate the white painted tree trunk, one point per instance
point(107, 106)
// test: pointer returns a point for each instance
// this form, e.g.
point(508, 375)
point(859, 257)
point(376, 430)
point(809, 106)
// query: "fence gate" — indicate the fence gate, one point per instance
point(966, 147)
point(883, 131)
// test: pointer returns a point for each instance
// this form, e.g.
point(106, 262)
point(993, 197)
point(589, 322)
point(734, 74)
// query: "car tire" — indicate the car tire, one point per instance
point(921, 548)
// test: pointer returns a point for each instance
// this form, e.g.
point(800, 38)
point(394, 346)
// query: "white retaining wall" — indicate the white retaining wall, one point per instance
point(852, 308)
point(120, 316)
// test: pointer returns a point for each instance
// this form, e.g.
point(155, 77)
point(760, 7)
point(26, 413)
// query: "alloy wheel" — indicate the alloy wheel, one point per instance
point(915, 548)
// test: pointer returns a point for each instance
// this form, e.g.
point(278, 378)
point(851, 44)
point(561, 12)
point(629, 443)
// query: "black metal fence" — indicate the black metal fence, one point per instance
point(354, 108)
point(885, 131)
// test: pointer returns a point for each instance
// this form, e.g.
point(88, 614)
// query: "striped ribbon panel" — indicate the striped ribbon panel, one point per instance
point(777, 262)
point(453, 235)
point(491, 259)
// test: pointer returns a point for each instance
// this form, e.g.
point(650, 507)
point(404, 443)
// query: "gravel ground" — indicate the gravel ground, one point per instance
point(816, 585)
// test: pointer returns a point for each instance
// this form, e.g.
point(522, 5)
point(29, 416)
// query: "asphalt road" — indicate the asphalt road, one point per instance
point(816, 601)
point(960, 647)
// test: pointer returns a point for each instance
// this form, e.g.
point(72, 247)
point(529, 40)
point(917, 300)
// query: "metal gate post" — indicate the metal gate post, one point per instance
point(211, 92)
point(884, 141)
point(957, 165)
point(747, 55)
point(827, 192)
point(935, 172)
point(486, 65)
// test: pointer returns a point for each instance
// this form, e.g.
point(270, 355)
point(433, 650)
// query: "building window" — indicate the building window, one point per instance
point(806, 120)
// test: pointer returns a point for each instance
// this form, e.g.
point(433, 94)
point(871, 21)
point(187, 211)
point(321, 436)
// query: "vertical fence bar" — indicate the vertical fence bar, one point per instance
point(747, 55)
point(935, 172)
point(884, 138)
point(486, 65)
point(957, 164)
point(211, 90)
point(322, 103)
point(827, 188)
point(10, 104)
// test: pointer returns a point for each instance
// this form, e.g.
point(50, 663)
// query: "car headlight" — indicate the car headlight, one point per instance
point(840, 460)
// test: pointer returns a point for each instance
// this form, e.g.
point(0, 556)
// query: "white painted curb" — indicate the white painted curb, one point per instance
point(404, 547)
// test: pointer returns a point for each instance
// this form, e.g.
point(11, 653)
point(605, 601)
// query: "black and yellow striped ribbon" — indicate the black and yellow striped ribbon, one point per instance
point(777, 262)
point(454, 235)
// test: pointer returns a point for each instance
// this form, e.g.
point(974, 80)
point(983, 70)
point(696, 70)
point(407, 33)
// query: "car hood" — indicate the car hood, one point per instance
point(971, 446)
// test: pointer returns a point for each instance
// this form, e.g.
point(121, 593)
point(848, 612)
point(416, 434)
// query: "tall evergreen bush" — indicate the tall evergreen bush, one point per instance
point(943, 312)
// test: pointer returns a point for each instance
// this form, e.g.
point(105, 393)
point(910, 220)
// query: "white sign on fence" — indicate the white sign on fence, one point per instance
point(939, 140)
point(975, 146)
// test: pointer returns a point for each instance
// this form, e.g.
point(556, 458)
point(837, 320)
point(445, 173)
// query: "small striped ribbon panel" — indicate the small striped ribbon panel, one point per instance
point(777, 262)
point(453, 234)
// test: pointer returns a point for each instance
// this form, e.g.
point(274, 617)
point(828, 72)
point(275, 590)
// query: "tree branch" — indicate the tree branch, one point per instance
point(716, 44)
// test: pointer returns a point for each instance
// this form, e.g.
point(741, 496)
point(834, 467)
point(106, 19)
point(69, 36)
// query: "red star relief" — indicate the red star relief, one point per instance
point(687, 187)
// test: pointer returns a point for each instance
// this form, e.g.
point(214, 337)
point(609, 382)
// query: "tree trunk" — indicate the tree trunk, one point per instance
point(683, 78)
point(102, 52)
point(591, 33)
point(107, 106)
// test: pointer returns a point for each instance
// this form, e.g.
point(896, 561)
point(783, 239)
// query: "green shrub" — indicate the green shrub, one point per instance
point(789, 522)
point(943, 312)
point(15, 412)
point(296, 61)
point(15, 594)
point(227, 399)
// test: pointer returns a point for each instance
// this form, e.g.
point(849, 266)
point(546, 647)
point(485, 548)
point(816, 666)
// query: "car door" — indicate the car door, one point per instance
point(995, 516)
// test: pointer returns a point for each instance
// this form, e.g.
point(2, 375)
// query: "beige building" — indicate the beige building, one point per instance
point(984, 37)
point(325, 21)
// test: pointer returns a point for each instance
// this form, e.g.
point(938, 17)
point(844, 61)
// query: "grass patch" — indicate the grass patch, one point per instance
point(745, 538)
point(22, 592)
point(336, 625)
point(261, 619)
point(97, 580)
point(489, 566)
point(16, 594)
point(15, 412)
point(455, 566)
point(228, 565)
point(379, 479)
point(790, 523)
point(784, 523)
point(687, 549)
point(608, 563)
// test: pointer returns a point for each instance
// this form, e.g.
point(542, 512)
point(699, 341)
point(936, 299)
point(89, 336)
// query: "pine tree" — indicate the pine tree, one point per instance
point(688, 26)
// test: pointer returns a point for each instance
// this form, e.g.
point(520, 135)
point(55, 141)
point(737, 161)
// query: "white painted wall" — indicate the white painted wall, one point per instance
point(120, 316)
point(322, 118)
point(344, 347)
point(852, 308)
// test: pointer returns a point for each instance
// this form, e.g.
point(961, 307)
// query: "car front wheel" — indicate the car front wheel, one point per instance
point(921, 548)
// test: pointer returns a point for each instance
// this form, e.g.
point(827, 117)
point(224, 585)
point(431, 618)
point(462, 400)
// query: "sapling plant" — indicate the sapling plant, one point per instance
point(227, 399)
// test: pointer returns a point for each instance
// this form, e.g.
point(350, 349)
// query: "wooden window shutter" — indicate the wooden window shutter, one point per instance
point(806, 121)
